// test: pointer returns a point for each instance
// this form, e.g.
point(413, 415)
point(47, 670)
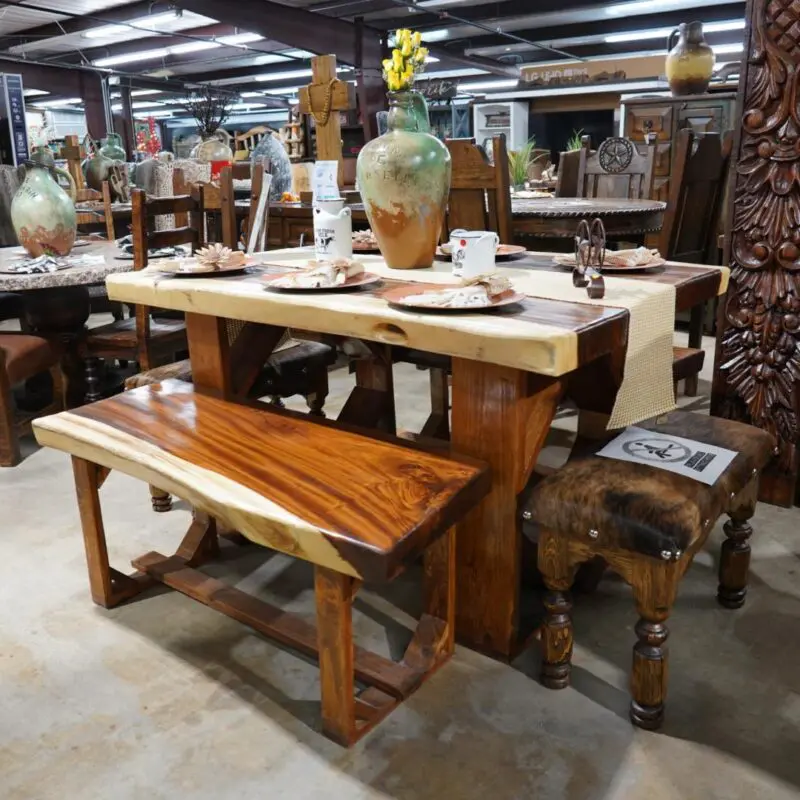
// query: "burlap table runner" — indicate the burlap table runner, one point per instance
point(647, 389)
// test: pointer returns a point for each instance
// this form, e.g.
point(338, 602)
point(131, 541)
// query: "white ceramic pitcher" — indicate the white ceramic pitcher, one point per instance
point(333, 230)
point(473, 252)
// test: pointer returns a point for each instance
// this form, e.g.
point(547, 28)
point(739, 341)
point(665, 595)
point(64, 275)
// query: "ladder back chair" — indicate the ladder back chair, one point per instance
point(141, 338)
point(617, 169)
point(255, 233)
point(480, 191)
point(568, 163)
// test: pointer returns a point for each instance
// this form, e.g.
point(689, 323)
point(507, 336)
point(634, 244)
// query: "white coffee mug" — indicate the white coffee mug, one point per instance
point(473, 252)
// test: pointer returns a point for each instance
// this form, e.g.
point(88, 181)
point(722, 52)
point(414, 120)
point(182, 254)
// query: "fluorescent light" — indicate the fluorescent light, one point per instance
point(142, 92)
point(130, 58)
point(501, 84)
point(437, 35)
point(53, 103)
point(154, 114)
point(431, 60)
point(297, 54)
point(250, 94)
point(240, 38)
point(116, 107)
point(728, 48)
point(145, 104)
point(247, 106)
point(662, 33)
point(279, 76)
point(33, 92)
point(152, 20)
point(284, 90)
point(192, 47)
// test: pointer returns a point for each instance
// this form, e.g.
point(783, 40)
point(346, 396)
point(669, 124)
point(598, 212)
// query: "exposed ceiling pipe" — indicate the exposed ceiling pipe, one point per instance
point(444, 15)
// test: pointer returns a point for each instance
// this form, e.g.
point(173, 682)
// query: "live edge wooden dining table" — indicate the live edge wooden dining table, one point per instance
point(510, 370)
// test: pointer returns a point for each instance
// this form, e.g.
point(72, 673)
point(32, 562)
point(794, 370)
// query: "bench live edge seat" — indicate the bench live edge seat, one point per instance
point(359, 507)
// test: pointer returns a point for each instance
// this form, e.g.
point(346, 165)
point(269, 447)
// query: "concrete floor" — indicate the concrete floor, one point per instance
point(165, 698)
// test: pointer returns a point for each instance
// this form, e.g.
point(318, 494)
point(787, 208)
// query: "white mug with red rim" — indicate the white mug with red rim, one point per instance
point(473, 252)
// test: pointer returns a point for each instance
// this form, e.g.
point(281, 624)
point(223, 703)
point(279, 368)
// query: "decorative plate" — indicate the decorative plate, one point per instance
point(568, 262)
point(403, 297)
point(359, 247)
point(503, 250)
point(189, 268)
point(363, 279)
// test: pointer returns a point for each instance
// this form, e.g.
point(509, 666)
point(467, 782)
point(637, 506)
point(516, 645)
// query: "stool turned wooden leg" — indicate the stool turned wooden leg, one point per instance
point(93, 379)
point(318, 383)
point(558, 575)
point(161, 500)
point(655, 585)
point(734, 562)
point(10, 454)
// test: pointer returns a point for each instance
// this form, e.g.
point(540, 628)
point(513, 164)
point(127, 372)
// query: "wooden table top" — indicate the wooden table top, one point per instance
point(583, 207)
point(74, 276)
point(538, 335)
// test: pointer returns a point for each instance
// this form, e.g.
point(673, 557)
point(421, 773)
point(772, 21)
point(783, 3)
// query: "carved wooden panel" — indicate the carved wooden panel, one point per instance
point(758, 357)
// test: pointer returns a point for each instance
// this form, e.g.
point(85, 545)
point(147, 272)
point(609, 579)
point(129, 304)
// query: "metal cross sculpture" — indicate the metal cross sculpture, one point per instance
point(590, 253)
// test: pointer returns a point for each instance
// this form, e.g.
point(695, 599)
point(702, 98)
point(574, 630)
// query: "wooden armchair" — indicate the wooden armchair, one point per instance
point(617, 169)
point(245, 143)
point(141, 338)
point(568, 163)
point(22, 357)
point(255, 230)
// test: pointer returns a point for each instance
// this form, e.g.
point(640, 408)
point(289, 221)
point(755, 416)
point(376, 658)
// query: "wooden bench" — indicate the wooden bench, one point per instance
point(358, 507)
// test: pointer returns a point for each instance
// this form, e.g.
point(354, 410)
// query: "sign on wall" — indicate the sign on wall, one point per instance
point(13, 117)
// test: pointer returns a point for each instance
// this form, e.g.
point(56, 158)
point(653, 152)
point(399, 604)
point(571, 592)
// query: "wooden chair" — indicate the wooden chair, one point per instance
point(617, 169)
point(480, 191)
point(646, 524)
point(568, 164)
point(255, 230)
point(245, 143)
point(141, 338)
point(23, 357)
point(691, 221)
point(359, 509)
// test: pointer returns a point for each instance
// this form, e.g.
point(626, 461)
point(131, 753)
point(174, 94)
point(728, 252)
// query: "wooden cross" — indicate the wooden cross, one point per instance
point(324, 98)
point(73, 154)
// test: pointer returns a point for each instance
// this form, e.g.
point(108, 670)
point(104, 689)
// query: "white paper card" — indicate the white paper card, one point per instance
point(703, 462)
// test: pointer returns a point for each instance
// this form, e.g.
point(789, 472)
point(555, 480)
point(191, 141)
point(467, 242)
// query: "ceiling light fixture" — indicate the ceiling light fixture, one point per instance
point(146, 104)
point(240, 38)
point(142, 92)
point(153, 20)
point(279, 76)
point(53, 103)
point(131, 58)
point(154, 114)
point(662, 33)
point(501, 84)
point(436, 35)
point(727, 48)
point(33, 92)
point(284, 90)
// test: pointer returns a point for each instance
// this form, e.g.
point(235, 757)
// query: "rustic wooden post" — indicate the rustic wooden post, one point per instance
point(758, 359)
point(324, 98)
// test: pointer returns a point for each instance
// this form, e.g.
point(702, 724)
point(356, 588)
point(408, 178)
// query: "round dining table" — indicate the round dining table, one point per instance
point(559, 216)
point(56, 305)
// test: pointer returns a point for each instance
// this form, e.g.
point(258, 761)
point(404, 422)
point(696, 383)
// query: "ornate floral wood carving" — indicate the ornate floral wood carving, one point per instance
point(760, 360)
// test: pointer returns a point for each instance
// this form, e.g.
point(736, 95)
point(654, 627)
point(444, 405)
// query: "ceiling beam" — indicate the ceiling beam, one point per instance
point(604, 27)
point(295, 26)
point(77, 23)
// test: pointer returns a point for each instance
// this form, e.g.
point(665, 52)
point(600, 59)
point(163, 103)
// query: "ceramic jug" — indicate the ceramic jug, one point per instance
point(473, 252)
point(42, 213)
point(333, 230)
point(690, 62)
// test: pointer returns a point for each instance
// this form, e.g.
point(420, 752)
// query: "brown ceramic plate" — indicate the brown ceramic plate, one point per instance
point(364, 279)
point(403, 297)
point(568, 262)
point(365, 248)
point(503, 250)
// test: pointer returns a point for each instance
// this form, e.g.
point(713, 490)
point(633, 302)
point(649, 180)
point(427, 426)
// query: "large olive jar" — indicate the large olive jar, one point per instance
point(404, 180)
point(690, 63)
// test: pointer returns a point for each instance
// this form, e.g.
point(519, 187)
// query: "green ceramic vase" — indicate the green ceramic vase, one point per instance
point(404, 180)
point(42, 213)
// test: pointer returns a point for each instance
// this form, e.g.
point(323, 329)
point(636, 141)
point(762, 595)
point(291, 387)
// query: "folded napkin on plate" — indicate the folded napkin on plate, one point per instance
point(46, 263)
point(476, 293)
point(321, 274)
point(638, 257)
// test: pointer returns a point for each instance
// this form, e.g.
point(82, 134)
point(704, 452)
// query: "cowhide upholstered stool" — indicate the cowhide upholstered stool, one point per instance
point(646, 524)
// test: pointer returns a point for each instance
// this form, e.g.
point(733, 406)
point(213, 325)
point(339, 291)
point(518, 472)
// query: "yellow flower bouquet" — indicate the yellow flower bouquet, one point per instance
point(407, 61)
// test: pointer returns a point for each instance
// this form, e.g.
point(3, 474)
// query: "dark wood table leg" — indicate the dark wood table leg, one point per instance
point(61, 314)
point(500, 415)
point(371, 403)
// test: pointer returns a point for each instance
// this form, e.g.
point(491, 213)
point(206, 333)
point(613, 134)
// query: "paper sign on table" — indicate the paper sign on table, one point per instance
point(703, 462)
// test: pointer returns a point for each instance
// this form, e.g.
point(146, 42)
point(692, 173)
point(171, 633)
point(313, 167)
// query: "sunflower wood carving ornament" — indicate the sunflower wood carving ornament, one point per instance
point(760, 361)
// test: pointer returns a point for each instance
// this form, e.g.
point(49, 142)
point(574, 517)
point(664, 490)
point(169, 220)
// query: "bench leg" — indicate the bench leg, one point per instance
point(334, 599)
point(109, 587)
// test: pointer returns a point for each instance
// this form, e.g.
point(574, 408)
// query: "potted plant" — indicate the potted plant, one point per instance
point(211, 108)
point(520, 162)
point(574, 142)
